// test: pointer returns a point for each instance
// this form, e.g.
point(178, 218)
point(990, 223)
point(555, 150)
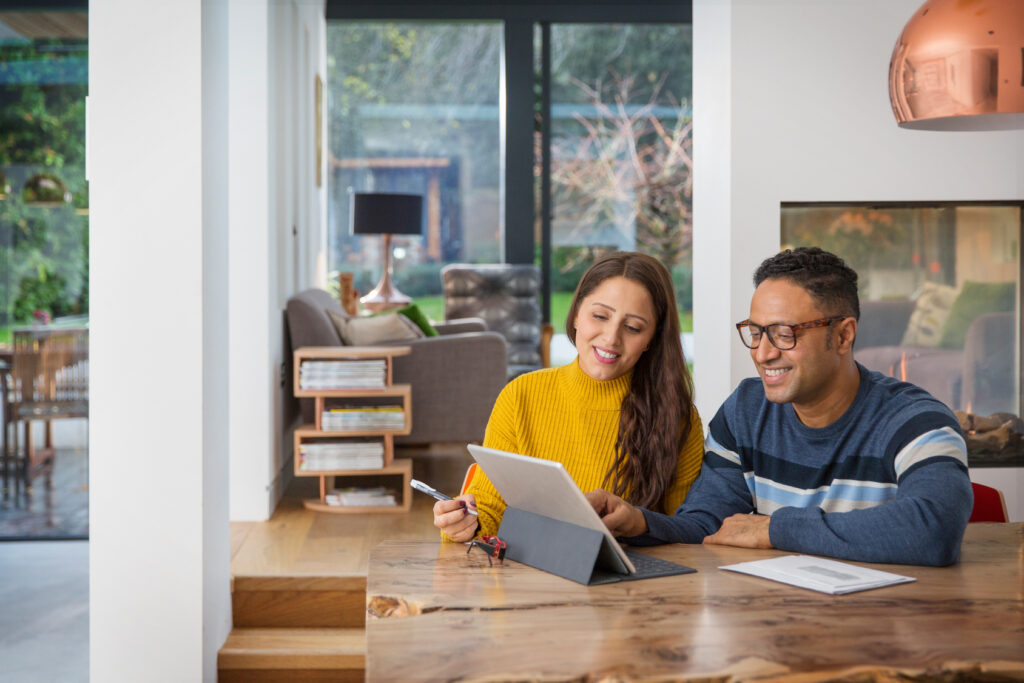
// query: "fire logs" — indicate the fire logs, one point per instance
point(997, 439)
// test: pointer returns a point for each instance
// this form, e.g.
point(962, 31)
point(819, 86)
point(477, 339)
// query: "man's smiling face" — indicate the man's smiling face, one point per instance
point(807, 373)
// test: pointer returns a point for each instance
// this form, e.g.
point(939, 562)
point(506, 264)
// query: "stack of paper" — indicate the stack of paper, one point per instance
point(355, 496)
point(826, 576)
point(341, 455)
point(342, 374)
point(352, 418)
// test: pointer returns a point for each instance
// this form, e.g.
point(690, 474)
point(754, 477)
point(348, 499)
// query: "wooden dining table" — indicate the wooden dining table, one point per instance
point(436, 611)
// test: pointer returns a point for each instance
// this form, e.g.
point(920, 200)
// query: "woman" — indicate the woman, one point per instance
point(620, 416)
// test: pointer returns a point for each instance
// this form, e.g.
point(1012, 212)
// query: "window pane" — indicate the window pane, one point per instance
point(44, 244)
point(413, 107)
point(620, 155)
point(940, 304)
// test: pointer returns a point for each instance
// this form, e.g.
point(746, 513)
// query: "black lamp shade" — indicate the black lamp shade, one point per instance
point(378, 213)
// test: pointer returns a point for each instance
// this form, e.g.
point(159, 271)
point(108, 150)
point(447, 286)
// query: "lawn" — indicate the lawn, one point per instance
point(433, 308)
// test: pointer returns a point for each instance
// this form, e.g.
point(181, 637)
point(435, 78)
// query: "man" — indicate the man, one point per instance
point(832, 458)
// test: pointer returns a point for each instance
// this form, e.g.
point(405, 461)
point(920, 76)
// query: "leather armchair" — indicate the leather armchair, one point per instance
point(507, 297)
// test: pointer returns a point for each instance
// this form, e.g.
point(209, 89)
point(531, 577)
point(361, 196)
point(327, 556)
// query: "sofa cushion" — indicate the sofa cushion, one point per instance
point(388, 327)
point(413, 313)
point(976, 299)
point(929, 317)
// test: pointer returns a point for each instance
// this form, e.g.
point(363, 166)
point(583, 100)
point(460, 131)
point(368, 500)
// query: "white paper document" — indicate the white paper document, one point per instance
point(815, 573)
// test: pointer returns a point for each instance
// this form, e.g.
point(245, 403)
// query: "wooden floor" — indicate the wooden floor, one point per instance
point(298, 581)
point(297, 542)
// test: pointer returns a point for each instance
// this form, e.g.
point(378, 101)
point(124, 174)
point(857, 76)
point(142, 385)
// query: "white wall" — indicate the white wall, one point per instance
point(216, 533)
point(275, 50)
point(791, 104)
point(251, 315)
point(157, 165)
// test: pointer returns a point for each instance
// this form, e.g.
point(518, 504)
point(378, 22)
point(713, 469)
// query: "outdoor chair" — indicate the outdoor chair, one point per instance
point(49, 380)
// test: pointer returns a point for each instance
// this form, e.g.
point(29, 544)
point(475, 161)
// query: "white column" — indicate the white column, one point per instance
point(253, 370)
point(159, 550)
point(721, 250)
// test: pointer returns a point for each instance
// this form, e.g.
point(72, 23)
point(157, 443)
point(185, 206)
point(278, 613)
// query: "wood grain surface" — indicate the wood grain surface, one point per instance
point(434, 611)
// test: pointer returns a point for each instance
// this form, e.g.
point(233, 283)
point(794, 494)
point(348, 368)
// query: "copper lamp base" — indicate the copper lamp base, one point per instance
point(385, 295)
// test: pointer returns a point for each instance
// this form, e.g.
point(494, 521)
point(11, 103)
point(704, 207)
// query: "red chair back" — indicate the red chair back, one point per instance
point(989, 505)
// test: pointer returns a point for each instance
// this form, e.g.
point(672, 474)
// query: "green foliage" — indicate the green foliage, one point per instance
point(377, 63)
point(682, 280)
point(568, 265)
point(594, 53)
point(422, 279)
point(43, 248)
point(43, 294)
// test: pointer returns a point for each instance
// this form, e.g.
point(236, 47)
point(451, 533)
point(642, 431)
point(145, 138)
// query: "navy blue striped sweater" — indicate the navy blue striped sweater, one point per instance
point(886, 482)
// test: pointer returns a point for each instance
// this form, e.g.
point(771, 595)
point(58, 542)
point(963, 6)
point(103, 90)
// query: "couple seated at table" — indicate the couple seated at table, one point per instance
point(831, 458)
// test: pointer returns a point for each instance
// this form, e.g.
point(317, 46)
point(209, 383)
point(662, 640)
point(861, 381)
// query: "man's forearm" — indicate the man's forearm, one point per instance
point(923, 525)
point(720, 491)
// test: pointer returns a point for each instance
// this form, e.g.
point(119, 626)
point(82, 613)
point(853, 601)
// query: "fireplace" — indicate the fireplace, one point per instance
point(995, 440)
point(940, 290)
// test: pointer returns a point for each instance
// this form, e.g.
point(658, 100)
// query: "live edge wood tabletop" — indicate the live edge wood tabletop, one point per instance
point(436, 612)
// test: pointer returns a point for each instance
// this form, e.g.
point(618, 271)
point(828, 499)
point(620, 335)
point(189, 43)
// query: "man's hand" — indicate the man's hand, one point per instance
point(621, 518)
point(742, 531)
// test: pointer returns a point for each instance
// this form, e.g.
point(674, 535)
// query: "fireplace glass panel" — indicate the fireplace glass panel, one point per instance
point(940, 291)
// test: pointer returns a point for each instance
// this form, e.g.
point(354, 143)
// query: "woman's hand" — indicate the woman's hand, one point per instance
point(621, 518)
point(450, 516)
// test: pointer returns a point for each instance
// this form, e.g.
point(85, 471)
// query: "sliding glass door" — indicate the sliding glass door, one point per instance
point(44, 273)
point(536, 134)
point(414, 107)
point(619, 134)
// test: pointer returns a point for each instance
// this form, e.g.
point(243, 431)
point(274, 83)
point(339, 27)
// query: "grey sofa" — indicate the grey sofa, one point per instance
point(979, 375)
point(455, 377)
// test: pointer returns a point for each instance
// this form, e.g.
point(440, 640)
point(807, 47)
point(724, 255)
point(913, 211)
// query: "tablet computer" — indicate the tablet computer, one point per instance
point(544, 487)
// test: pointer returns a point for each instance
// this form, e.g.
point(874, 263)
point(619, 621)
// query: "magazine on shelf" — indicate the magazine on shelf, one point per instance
point(341, 455)
point(351, 418)
point(342, 374)
point(377, 496)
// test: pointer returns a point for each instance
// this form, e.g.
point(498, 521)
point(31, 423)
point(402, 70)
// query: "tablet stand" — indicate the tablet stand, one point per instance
point(567, 550)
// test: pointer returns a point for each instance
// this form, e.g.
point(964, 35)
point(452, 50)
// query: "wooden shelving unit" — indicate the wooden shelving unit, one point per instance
point(393, 467)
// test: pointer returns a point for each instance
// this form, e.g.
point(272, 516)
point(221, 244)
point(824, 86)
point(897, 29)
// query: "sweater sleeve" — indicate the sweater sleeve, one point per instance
point(924, 524)
point(688, 466)
point(500, 434)
point(720, 490)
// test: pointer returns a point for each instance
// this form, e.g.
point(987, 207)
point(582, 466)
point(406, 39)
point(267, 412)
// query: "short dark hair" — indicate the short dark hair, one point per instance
point(826, 277)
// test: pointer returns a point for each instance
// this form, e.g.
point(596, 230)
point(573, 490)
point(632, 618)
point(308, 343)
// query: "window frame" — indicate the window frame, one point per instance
point(519, 19)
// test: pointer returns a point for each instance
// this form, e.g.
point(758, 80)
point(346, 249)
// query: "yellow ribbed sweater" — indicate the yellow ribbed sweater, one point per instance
point(565, 415)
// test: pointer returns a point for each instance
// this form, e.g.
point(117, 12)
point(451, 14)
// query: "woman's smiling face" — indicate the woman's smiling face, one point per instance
point(614, 326)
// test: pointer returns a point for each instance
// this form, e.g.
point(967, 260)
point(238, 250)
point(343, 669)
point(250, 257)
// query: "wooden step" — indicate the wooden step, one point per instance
point(305, 655)
point(299, 601)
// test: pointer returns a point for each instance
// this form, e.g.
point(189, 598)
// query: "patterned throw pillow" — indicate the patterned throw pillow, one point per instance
point(377, 329)
point(929, 316)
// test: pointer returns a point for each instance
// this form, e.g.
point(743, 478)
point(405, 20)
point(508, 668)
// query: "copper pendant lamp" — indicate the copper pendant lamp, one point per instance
point(959, 65)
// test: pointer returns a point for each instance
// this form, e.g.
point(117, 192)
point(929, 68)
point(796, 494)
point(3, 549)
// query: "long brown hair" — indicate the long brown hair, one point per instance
point(654, 422)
